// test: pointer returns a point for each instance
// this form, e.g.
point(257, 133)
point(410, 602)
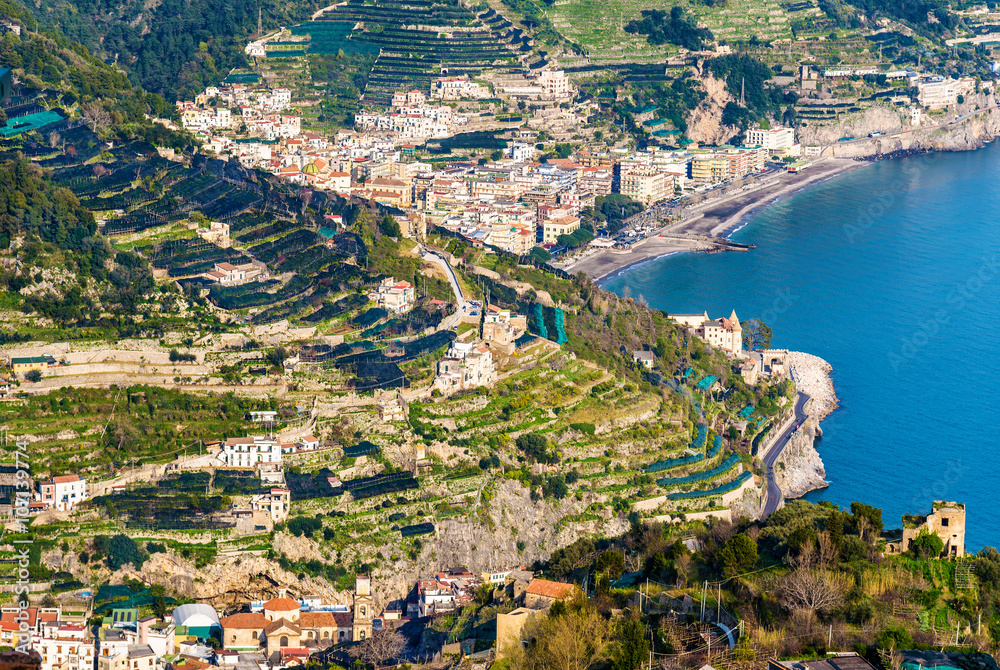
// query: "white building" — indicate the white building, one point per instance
point(435, 597)
point(465, 366)
point(248, 452)
point(64, 492)
point(68, 647)
point(773, 139)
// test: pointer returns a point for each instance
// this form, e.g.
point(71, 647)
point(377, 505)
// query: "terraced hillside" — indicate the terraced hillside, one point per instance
point(598, 28)
point(419, 40)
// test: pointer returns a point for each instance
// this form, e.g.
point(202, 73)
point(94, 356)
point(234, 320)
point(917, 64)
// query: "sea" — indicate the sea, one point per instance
point(891, 273)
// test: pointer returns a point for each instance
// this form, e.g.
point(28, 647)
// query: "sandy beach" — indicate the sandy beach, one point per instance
point(714, 218)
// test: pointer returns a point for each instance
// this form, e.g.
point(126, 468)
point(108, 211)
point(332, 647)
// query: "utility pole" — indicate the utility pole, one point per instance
point(704, 591)
point(829, 639)
point(718, 608)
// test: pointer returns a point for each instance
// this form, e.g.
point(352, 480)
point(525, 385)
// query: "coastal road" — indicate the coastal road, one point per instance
point(774, 494)
point(952, 122)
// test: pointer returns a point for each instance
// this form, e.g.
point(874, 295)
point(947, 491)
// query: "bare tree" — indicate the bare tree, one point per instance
point(384, 645)
point(54, 139)
point(97, 116)
point(827, 549)
point(813, 589)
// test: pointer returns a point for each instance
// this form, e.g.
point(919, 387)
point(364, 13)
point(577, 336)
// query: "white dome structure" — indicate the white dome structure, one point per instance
point(201, 620)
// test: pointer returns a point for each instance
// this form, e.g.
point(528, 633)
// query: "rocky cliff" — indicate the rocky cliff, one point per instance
point(800, 469)
point(705, 121)
point(505, 527)
point(979, 125)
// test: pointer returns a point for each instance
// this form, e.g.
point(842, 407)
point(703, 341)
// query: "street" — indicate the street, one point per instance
point(774, 495)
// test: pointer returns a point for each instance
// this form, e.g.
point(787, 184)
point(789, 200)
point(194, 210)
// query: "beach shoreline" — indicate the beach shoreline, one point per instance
point(718, 218)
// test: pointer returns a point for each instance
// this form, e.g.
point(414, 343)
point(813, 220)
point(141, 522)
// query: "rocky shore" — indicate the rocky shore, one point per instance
point(800, 469)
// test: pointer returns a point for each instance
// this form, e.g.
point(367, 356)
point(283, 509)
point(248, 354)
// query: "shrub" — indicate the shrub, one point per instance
point(304, 525)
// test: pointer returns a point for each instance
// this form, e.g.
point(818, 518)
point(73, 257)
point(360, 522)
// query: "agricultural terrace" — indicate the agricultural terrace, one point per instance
point(91, 432)
point(598, 28)
point(418, 41)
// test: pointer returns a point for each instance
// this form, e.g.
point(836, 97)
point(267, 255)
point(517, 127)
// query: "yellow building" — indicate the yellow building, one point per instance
point(29, 363)
point(553, 228)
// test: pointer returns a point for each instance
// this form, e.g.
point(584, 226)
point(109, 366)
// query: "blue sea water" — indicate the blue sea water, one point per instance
point(892, 274)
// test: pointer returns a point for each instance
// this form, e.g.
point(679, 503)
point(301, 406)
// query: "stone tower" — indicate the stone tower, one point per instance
point(363, 608)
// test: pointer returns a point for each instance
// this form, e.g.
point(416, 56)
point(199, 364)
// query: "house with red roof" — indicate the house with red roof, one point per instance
point(63, 492)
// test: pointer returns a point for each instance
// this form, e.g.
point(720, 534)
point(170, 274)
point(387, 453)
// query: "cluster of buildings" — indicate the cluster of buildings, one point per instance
point(936, 92)
point(548, 84)
point(229, 107)
point(514, 203)
point(411, 118)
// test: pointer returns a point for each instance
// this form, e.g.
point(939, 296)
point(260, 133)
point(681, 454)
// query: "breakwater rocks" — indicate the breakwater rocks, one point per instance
point(800, 469)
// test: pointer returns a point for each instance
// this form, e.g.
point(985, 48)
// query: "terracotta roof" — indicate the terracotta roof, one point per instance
point(65, 479)
point(245, 621)
point(275, 626)
point(317, 620)
point(343, 619)
point(281, 605)
point(547, 589)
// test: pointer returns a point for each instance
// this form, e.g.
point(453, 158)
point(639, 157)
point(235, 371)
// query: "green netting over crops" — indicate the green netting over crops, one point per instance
point(722, 467)
point(716, 447)
point(330, 37)
point(361, 449)
point(706, 382)
point(696, 444)
point(718, 490)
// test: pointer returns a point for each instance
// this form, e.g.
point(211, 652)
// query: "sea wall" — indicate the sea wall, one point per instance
point(799, 469)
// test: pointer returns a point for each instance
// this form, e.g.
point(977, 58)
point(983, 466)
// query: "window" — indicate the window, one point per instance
point(944, 521)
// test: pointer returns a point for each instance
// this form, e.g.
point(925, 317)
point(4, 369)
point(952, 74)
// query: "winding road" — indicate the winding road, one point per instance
point(774, 495)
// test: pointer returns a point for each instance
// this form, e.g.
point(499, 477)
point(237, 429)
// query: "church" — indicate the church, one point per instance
point(283, 630)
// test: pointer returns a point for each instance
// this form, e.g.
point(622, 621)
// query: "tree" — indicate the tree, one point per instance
point(738, 555)
point(633, 649)
point(811, 589)
point(611, 562)
point(97, 116)
point(276, 357)
point(539, 255)
point(574, 637)
point(534, 445)
point(867, 519)
point(756, 335)
point(384, 645)
point(33, 375)
point(927, 544)
point(119, 550)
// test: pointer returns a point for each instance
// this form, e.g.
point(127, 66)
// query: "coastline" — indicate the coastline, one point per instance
point(717, 218)
point(799, 469)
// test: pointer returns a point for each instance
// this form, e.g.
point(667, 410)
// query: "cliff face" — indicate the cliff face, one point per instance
point(487, 538)
point(705, 122)
point(975, 129)
point(800, 469)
